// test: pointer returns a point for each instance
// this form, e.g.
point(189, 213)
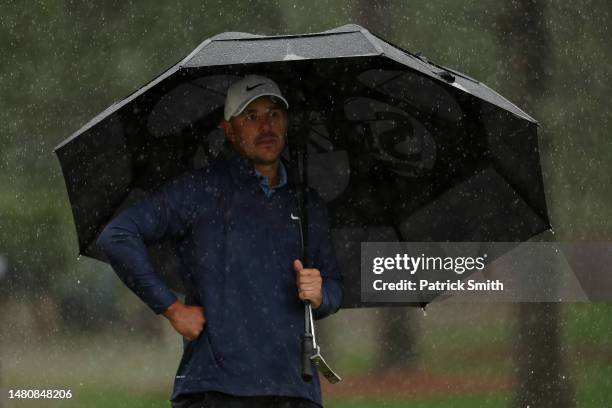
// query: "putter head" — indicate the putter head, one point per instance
point(323, 368)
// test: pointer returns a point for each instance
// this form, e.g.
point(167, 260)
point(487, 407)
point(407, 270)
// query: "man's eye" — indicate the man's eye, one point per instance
point(251, 117)
point(274, 114)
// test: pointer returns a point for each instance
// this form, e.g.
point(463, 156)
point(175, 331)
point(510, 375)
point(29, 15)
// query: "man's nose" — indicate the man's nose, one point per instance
point(265, 122)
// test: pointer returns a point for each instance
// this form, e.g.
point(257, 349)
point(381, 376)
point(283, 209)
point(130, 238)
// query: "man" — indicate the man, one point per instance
point(233, 226)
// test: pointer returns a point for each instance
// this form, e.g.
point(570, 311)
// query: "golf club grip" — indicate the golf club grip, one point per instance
point(307, 351)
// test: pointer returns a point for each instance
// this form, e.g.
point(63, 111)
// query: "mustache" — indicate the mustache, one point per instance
point(267, 135)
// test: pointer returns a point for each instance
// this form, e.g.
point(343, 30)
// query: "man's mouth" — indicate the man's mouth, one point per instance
point(266, 140)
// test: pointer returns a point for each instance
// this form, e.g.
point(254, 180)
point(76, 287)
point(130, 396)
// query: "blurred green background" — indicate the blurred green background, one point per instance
point(68, 323)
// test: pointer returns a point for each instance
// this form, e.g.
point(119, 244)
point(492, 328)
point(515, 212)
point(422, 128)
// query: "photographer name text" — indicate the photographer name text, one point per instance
point(451, 286)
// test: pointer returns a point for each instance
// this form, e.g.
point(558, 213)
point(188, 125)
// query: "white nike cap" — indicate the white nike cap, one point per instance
point(246, 90)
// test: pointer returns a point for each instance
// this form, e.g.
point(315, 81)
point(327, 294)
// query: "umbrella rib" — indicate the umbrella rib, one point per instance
point(213, 91)
point(321, 148)
point(520, 193)
point(319, 133)
point(401, 103)
point(390, 79)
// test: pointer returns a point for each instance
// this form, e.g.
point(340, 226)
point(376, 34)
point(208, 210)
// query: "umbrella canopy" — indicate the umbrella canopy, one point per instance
point(400, 148)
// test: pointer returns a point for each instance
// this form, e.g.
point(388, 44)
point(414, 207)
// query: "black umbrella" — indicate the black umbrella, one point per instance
point(399, 147)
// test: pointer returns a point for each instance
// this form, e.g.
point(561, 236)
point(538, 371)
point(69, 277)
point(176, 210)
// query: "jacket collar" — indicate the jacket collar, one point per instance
point(243, 172)
point(241, 169)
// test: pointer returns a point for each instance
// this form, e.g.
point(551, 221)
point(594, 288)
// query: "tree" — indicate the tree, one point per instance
point(541, 377)
point(397, 330)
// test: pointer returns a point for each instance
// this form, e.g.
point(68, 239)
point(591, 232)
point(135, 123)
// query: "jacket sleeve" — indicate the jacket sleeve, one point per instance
point(324, 259)
point(166, 214)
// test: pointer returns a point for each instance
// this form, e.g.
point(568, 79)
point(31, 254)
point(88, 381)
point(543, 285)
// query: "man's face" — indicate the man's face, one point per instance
point(259, 131)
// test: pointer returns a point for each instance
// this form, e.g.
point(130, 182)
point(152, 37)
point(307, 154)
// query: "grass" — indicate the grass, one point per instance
point(99, 397)
point(594, 386)
point(588, 323)
point(461, 402)
point(124, 370)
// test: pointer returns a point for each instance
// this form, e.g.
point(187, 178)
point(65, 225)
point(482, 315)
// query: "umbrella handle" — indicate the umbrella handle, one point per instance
point(307, 352)
point(308, 343)
point(307, 339)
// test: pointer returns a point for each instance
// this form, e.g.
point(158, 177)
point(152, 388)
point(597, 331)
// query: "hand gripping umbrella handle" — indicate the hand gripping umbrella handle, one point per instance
point(311, 354)
point(307, 338)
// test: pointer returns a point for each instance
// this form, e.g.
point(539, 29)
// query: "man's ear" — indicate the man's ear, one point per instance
point(228, 130)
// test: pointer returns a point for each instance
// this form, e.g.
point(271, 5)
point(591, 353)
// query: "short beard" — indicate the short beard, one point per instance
point(265, 162)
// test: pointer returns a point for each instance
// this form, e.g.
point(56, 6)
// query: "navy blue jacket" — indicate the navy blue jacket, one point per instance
point(237, 247)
